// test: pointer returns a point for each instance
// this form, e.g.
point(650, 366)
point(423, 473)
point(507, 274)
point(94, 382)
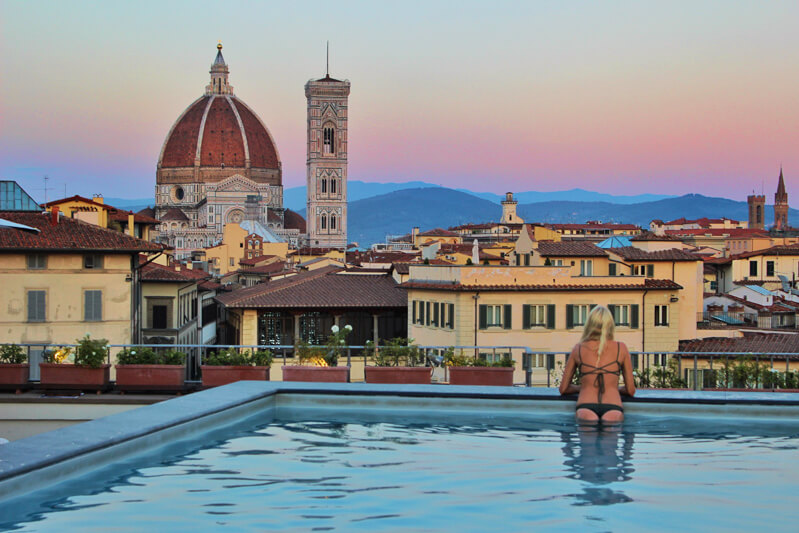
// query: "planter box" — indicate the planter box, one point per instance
point(469, 375)
point(72, 377)
point(335, 374)
point(150, 377)
point(398, 374)
point(214, 376)
point(14, 377)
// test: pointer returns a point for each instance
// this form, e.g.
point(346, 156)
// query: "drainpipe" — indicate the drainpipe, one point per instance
point(476, 297)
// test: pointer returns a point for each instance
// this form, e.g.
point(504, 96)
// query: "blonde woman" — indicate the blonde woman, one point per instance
point(601, 361)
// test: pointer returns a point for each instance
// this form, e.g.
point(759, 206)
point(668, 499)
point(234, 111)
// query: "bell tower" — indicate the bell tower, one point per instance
point(757, 206)
point(326, 214)
point(781, 205)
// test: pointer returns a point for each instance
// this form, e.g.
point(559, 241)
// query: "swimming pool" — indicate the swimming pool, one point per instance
point(354, 462)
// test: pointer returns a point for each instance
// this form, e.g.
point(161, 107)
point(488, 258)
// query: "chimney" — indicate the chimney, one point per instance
point(131, 228)
point(98, 198)
point(414, 234)
point(54, 215)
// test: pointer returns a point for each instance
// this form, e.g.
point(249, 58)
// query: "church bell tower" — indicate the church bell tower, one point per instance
point(326, 213)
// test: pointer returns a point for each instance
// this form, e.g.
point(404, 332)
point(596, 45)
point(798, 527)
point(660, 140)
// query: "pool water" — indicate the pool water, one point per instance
point(400, 476)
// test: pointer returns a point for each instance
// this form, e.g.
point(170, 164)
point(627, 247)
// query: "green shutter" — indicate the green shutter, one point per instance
point(550, 316)
point(421, 313)
point(451, 318)
point(506, 316)
point(634, 316)
point(569, 316)
point(427, 313)
point(483, 317)
point(612, 309)
point(650, 271)
point(435, 314)
point(413, 306)
point(525, 317)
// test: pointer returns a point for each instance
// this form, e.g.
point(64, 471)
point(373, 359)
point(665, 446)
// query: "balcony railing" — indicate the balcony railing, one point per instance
point(678, 370)
point(713, 320)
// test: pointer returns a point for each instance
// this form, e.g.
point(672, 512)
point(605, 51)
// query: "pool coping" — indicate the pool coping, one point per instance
point(47, 450)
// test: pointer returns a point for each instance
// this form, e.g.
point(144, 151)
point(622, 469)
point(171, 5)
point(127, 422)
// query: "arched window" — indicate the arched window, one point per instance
point(759, 216)
point(332, 221)
point(324, 185)
point(329, 140)
point(333, 186)
point(324, 221)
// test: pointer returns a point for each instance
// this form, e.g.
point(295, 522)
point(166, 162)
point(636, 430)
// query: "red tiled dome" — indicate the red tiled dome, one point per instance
point(231, 134)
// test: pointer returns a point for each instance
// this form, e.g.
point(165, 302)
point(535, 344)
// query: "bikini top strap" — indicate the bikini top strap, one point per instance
point(618, 349)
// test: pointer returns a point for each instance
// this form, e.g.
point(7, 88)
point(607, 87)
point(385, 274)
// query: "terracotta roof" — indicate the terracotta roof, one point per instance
point(68, 234)
point(322, 288)
point(439, 232)
point(174, 213)
point(703, 222)
point(263, 270)
point(209, 285)
point(223, 137)
point(119, 215)
point(593, 226)
point(255, 260)
point(371, 256)
point(649, 284)
point(719, 232)
point(649, 236)
point(790, 249)
point(293, 220)
point(147, 212)
point(570, 249)
point(156, 272)
point(749, 343)
point(631, 253)
point(311, 250)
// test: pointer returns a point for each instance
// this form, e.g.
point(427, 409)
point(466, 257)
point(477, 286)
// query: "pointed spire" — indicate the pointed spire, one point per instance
point(781, 185)
point(219, 59)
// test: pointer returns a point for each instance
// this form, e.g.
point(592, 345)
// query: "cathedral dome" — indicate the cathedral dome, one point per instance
point(218, 130)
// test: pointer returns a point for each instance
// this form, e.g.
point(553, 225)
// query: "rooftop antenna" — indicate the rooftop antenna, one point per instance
point(327, 61)
point(46, 179)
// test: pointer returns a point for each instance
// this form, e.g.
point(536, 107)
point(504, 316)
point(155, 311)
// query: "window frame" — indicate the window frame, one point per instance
point(661, 315)
point(96, 306)
point(42, 304)
point(36, 261)
point(93, 261)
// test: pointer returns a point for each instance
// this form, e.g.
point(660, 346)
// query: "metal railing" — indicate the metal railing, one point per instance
point(680, 370)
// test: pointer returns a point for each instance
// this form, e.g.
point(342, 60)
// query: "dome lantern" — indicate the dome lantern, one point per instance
point(219, 75)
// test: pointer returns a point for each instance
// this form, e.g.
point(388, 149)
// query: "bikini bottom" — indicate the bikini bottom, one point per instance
point(600, 408)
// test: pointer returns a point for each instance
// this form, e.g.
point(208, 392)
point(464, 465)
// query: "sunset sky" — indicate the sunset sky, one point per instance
point(619, 97)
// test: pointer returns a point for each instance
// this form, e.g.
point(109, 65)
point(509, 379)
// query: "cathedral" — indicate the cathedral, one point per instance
point(220, 165)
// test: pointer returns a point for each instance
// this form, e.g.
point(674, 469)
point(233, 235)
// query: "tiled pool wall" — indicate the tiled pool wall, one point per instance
point(42, 460)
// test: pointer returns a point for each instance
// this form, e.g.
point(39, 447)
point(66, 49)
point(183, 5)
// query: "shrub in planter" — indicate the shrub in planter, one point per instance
point(88, 370)
point(396, 362)
point(320, 363)
point(14, 370)
point(142, 368)
point(230, 365)
point(464, 370)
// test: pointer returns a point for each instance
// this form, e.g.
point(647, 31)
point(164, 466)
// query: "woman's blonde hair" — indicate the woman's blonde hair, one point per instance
point(599, 326)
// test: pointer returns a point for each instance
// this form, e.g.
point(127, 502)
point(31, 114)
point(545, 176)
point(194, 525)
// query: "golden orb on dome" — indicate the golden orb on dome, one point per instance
point(219, 45)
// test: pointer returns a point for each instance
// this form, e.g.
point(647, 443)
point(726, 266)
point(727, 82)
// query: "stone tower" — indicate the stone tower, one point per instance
point(781, 205)
point(509, 215)
point(757, 205)
point(326, 214)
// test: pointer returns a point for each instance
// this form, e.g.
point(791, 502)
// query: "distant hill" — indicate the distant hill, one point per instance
point(296, 199)
point(395, 213)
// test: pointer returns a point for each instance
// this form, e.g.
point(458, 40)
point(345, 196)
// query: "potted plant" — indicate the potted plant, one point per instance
point(320, 363)
point(141, 368)
point(14, 369)
point(464, 370)
point(396, 362)
point(231, 365)
point(88, 370)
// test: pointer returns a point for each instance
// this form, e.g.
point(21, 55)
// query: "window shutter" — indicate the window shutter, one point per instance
point(427, 313)
point(650, 271)
point(612, 269)
point(88, 306)
point(612, 309)
point(525, 317)
point(435, 314)
point(483, 317)
point(451, 320)
point(421, 313)
point(32, 302)
point(413, 305)
point(506, 316)
point(591, 307)
point(550, 316)
point(634, 316)
point(569, 316)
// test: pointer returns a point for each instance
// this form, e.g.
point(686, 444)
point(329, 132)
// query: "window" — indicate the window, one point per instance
point(92, 261)
point(324, 185)
point(557, 262)
point(645, 270)
point(37, 261)
point(451, 316)
point(329, 141)
point(586, 267)
point(538, 316)
point(621, 314)
point(434, 320)
point(661, 315)
point(527, 260)
point(494, 357)
point(159, 317)
point(92, 306)
point(333, 186)
point(769, 268)
point(495, 316)
point(324, 221)
point(37, 310)
point(753, 268)
point(332, 222)
point(427, 313)
point(612, 269)
point(576, 315)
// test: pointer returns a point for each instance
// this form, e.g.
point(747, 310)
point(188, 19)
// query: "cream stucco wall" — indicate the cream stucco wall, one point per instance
point(64, 282)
